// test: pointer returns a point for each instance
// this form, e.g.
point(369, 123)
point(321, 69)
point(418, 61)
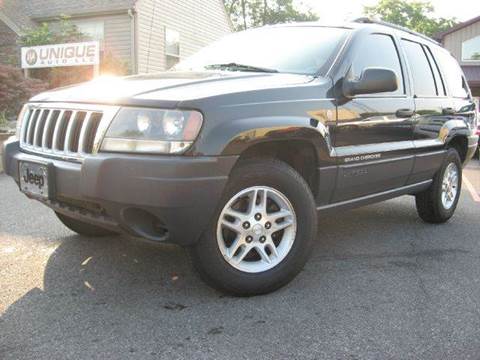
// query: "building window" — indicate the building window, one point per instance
point(93, 29)
point(471, 49)
point(172, 47)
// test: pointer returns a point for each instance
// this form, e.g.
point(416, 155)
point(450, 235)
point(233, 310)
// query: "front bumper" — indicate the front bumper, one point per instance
point(161, 198)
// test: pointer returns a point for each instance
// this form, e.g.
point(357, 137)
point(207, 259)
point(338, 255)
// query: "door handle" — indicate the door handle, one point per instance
point(404, 113)
point(448, 111)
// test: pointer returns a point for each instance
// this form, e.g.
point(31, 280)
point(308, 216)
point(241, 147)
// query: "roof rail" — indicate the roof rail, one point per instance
point(366, 20)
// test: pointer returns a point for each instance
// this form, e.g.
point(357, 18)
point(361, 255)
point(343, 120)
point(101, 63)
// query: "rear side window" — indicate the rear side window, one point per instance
point(423, 81)
point(452, 73)
point(379, 50)
point(441, 91)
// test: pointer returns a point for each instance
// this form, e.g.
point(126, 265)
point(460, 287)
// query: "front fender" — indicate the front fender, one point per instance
point(240, 135)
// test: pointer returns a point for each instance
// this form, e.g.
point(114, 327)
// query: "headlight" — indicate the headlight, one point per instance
point(152, 131)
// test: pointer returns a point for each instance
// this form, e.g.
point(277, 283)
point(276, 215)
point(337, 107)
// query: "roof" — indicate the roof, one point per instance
point(460, 26)
point(472, 74)
point(366, 20)
point(24, 12)
point(7, 21)
point(44, 9)
point(15, 12)
point(358, 24)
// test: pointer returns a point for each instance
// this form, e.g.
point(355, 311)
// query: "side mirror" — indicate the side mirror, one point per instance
point(372, 80)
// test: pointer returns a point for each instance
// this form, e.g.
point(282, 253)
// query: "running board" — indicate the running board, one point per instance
point(374, 198)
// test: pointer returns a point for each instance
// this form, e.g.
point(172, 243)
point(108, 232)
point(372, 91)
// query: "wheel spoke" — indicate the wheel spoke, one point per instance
point(282, 213)
point(245, 249)
point(235, 246)
point(252, 198)
point(235, 214)
point(283, 225)
point(259, 195)
point(263, 254)
point(234, 226)
point(273, 249)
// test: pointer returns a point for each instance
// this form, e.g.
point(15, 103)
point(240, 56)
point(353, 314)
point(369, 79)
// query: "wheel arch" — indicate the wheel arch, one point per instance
point(454, 133)
point(459, 142)
point(299, 154)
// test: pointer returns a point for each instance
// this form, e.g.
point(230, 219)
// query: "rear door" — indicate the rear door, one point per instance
point(432, 108)
point(373, 134)
point(462, 103)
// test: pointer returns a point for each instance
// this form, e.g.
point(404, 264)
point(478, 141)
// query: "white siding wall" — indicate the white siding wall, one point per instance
point(199, 23)
point(117, 35)
point(453, 42)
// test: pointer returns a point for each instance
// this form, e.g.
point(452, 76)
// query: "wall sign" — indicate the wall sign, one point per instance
point(72, 54)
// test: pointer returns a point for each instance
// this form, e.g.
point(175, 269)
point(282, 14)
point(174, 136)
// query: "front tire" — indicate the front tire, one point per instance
point(83, 228)
point(262, 232)
point(437, 204)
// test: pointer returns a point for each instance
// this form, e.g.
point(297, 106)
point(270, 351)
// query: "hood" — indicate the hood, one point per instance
point(168, 86)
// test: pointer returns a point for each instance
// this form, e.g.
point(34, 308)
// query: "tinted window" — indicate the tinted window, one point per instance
point(451, 72)
point(423, 81)
point(436, 72)
point(379, 50)
point(296, 49)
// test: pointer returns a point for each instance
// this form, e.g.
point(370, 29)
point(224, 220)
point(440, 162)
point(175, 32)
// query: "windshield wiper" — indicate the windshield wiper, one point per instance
point(240, 67)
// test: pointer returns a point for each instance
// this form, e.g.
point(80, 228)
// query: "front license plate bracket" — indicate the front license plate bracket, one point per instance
point(36, 179)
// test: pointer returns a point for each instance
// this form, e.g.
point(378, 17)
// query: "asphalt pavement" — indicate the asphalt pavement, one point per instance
point(380, 284)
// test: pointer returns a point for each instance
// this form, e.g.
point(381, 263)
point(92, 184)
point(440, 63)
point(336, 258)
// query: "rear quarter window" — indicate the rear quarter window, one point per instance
point(452, 73)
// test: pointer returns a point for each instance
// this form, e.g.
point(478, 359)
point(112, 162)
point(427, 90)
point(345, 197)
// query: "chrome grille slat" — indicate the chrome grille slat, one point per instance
point(68, 134)
point(46, 130)
point(67, 131)
point(60, 123)
point(38, 126)
point(26, 120)
point(87, 123)
point(31, 126)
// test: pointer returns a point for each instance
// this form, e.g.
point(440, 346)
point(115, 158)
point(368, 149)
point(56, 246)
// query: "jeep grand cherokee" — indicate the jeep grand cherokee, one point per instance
point(236, 151)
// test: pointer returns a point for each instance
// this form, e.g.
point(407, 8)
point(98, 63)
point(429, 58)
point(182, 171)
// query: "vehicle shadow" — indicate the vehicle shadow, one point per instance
point(109, 293)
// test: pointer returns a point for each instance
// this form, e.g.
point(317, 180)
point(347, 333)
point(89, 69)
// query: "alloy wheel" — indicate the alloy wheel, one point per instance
point(256, 229)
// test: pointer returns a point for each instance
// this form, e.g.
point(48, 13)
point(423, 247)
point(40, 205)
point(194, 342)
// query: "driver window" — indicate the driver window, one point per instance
point(379, 50)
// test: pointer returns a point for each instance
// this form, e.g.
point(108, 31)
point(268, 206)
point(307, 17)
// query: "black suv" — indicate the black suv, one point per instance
point(237, 150)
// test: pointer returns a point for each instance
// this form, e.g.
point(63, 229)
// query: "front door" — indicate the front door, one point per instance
point(373, 137)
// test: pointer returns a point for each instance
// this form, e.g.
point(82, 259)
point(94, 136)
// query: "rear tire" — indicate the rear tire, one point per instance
point(83, 228)
point(437, 204)
point(251, 270)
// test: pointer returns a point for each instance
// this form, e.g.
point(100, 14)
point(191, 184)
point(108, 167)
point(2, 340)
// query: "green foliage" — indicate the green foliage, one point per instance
point(475, 56)
point(63, 31)
point(415, 15)
point(3, 119)
point(252, 13)
point(15, 90)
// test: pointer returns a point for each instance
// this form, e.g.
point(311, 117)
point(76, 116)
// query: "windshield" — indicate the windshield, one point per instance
point(290, 49)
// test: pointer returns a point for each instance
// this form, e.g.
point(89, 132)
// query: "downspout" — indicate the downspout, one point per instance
point(133, 39)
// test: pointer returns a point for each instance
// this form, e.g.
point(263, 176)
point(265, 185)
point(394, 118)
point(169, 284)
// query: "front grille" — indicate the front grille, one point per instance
point(71, 131)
